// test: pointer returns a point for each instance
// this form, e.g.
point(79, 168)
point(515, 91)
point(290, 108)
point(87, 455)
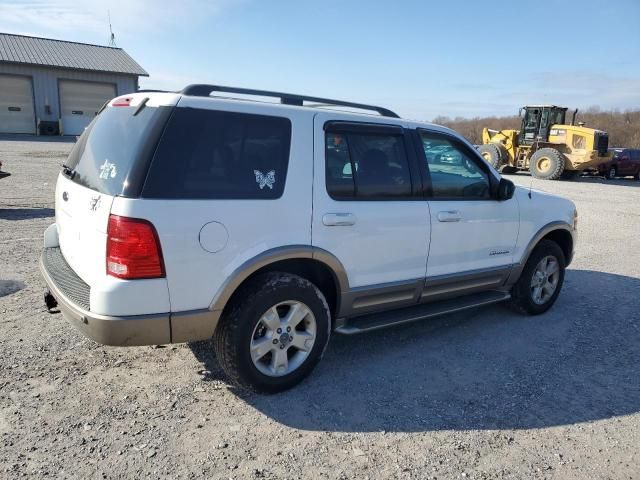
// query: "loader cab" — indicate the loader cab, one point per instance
point(537, 121)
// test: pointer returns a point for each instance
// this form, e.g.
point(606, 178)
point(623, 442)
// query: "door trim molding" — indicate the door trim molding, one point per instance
point(384, 296)
point(453, 284)
point(389, 296)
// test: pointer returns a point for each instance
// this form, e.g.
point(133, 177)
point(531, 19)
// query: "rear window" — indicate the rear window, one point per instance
point(113, 154)
point(209, 154)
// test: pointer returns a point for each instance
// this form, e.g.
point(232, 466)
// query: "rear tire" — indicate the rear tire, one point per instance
point(547, 164)
point(541, 279)
point(508, 170)
point(492, 154)
point(570, 174)
point(253, 343)
point(612, 173)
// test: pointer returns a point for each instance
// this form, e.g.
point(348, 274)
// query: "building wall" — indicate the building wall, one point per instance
point(45, 84)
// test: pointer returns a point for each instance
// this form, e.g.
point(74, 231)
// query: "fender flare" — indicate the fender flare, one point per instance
point(540, 234)
point(274, 255)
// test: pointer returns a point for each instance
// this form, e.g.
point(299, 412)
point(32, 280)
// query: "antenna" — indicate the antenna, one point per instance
point(112, 37)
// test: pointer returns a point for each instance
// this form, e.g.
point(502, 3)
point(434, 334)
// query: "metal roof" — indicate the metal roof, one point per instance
point(61, 54)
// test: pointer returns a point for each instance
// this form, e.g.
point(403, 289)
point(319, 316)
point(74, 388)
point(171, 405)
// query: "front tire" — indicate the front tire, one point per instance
point(541, 279)
point(547, 164)
point(274, 332)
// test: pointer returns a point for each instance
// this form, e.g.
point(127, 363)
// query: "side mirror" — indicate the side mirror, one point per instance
point(506, 189)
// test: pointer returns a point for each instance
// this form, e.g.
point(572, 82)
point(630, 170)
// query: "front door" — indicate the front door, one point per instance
point(473, 236)
point(368, 213)
point(530, 126)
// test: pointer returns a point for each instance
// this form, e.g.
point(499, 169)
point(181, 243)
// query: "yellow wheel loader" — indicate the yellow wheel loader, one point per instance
point(545, 145)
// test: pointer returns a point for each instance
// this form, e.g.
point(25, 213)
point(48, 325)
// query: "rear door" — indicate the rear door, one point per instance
point(80, 102)
point(635, 161)
point(16, 105)
point(625, 165)
point(367, 212)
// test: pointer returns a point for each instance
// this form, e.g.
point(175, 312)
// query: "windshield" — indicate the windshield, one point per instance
point(113, 153)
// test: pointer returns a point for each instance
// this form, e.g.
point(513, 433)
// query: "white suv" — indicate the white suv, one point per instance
point(266, 226)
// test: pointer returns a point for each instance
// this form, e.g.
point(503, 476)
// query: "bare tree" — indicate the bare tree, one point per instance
point(623, 127)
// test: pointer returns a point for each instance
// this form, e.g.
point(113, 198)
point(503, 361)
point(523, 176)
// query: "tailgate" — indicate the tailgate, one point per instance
point(82, 215)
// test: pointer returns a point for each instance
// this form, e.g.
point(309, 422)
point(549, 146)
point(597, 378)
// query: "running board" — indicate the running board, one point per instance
point(375, 321)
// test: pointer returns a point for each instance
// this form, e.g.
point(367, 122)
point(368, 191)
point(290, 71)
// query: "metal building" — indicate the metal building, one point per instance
point(55, 87)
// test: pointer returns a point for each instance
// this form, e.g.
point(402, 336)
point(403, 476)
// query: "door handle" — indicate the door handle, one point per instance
point(450, 216)
point(339, 219)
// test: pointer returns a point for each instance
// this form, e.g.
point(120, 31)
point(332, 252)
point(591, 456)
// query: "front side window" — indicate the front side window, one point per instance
point(363, 166)
point(210, 154)
point(454, 173)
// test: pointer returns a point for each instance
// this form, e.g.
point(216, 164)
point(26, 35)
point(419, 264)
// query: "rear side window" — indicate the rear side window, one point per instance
point(363, 166)
point(113, 153)
point(209, 154)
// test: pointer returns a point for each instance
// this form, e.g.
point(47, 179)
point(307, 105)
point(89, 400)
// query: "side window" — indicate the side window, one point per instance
point(209, 154)
point(363, 166)
point(454, 173)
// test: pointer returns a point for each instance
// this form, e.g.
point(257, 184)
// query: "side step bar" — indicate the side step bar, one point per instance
point(375, 321)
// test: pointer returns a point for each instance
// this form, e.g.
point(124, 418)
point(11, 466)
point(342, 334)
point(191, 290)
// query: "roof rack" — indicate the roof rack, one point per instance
point(201, 90)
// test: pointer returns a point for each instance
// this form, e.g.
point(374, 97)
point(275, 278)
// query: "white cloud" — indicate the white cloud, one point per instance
point(87, 20)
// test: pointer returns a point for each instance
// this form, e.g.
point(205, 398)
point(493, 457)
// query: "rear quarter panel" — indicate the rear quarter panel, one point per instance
point(195, 275)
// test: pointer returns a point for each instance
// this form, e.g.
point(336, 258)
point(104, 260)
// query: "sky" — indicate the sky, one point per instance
point(422, 59)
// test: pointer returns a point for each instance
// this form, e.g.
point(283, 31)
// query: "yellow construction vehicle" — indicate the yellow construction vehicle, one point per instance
point(545, 145)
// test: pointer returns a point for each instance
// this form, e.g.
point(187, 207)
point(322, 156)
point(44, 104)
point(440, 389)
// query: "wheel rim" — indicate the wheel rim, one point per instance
point(612, 173)
point(545, 280)
point(543, 164)
point(486, 156)
point(283, 338)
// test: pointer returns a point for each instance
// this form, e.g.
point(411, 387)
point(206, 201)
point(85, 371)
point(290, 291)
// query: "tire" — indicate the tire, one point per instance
point(547, 164)
point(637, 176)
point(612, 173)
point(492, 154)
point(508, 169)
point(265, 302)
point(570, 174)
point(523, 293)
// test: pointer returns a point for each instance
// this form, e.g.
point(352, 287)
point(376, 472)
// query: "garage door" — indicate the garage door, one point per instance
point(80, 101)
point(16, 105)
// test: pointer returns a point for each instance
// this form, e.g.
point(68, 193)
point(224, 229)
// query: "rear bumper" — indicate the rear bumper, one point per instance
point(122, 330)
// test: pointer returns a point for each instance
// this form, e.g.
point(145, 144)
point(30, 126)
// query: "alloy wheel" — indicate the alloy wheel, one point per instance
point(283, 338)
point(545, 279)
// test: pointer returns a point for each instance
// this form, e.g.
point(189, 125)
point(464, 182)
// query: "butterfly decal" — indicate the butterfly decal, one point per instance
point(265, 180)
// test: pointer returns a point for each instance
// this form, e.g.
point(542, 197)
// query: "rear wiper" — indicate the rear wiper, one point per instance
point(143, 104)
point(68, 171)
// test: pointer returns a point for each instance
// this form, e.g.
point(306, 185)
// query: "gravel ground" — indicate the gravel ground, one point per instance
point(484, 394)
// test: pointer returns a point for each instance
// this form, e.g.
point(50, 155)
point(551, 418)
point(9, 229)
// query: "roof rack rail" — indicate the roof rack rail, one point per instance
point(202, 90)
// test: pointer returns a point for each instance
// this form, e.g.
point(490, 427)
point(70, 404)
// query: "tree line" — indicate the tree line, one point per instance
point(623, 127)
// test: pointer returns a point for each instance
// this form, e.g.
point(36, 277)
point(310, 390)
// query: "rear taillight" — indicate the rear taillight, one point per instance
point(133, 249)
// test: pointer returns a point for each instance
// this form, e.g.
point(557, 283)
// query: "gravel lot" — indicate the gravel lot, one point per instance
point(484, 394)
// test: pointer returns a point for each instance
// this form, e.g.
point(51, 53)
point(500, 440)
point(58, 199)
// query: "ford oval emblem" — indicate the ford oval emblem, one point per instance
point(65, 196)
